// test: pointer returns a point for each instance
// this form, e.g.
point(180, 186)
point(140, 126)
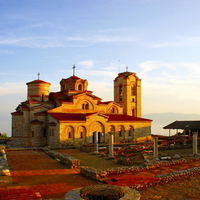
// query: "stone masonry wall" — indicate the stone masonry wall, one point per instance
point(66, 159)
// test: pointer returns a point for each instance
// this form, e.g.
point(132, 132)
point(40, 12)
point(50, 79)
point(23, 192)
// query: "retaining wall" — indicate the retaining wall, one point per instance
point(64, 158)
point(95, 174)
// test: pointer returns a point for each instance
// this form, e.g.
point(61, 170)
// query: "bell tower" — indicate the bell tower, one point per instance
point(127, 93)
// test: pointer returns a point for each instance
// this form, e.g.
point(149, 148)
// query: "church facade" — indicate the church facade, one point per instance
point(70, 116)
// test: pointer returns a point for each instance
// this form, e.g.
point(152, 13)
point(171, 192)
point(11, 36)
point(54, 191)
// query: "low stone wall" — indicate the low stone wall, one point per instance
point(64, 158)
point(95, 174)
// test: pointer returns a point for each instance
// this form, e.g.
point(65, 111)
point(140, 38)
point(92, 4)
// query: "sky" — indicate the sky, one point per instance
point(159, 40)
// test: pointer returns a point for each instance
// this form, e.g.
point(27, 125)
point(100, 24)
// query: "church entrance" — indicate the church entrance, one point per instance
point(98, 130)
point(99, 137)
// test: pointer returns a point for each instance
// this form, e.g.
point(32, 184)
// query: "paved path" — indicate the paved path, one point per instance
point(34, 173)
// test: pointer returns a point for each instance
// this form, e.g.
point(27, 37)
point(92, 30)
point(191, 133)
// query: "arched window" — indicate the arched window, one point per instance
point(85, 106)
point(131, 132)
point(69, 134)
point(133, 90)
point(121, 131)
point(113, 109)
point(133, 112)
point(81, 134)
point(80, 87)
point(43, 97)
point(120, 93)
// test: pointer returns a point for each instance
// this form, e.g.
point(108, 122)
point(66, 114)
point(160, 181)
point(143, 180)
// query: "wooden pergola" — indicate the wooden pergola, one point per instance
point(187, 126)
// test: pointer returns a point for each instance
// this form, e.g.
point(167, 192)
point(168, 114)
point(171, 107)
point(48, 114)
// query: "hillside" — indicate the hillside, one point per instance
point(162, 119)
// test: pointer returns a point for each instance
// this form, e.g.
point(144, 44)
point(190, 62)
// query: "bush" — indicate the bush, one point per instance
point(3, 136)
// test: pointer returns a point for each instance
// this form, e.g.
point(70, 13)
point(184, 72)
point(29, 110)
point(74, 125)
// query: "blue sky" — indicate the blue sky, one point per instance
point(157, 39)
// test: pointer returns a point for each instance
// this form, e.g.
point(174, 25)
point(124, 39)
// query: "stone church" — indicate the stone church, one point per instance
point(70, 116)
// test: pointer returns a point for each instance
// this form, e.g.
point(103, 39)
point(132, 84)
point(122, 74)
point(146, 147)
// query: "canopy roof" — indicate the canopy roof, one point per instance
point(183, 125)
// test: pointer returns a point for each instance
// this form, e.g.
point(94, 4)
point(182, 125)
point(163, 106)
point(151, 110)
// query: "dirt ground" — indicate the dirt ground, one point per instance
point(99, 162)
point(188, 189)
point(91, 160)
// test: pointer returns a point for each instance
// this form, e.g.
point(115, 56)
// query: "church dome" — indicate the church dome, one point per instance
point(38, 90)
point(73, 83)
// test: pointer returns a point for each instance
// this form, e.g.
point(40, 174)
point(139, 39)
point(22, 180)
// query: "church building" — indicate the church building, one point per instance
point(70, 116)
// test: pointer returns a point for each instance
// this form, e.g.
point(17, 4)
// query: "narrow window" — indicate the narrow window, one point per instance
point(129, 133)
point(43, 98)
point(80, 87)
point(69, 135)
point(133, 112)
point(33, 134)
point(81, 135)
point(132, 90)
point(44, 132)
point(120, 93)
point(86, 106)
point(120, 133)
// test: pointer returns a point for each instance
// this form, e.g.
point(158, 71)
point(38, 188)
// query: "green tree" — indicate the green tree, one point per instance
point(4, 136)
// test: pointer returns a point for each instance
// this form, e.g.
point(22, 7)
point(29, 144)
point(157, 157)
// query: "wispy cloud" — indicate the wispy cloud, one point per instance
point(12, 88)
point(152, 65)
point(87, 63)
point(179, 42)
point(7, 52)
point(60, 41)
point(33, 42)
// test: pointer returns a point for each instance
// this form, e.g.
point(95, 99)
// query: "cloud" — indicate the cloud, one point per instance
point(33, 42)
point(179, 42)
point(87, 63)
point(98, 73)
point(151, 65)
point(7, 52)
point(102, 90)
point(99, 38)
point(12, 88)
point(170, 87)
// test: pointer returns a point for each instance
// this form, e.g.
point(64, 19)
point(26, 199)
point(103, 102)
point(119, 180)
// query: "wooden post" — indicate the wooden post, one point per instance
point(111, 140)
point(155, 139)
point(195, 142)
point(96, 146)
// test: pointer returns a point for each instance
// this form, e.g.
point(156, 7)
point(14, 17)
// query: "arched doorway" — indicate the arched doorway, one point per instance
point(99, 128)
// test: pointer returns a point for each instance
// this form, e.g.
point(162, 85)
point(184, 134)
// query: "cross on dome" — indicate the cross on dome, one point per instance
point(38, 76)
point(74, 67)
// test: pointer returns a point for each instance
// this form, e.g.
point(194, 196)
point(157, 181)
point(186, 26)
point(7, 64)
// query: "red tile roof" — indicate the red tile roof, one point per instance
point(38, 81)
point(17, 113)
point(82, 117)
point(36, 122)
point(70, 116)
point(121, 117)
